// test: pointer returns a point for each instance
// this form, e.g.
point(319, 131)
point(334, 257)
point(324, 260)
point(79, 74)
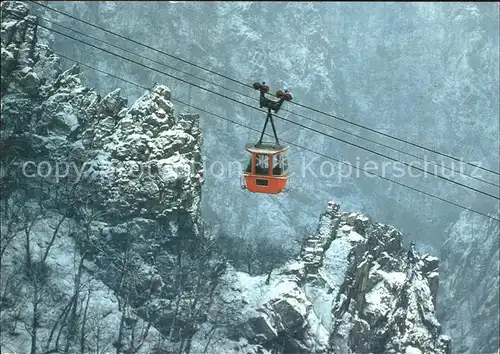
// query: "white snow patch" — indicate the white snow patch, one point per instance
point(412, 350)
point(5, 53)
point(68, 117)
point(433, 275)
point(172, 168)
point(333, 272)
point(346, 229)
point(318, 334)
point(378, 299)
point(355, 237)
point(394, 278)
point(10, 23)
point(244, 287)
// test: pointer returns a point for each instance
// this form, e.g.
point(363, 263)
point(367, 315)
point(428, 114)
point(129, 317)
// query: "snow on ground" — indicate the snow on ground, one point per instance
point(103, 315)
point(412, 350)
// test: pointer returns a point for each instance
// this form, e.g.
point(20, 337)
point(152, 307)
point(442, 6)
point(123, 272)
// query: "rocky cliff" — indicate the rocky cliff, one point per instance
point(102, 247)
point(95, 195)
point(400, 68)
point(353, 289)
point(469, 294)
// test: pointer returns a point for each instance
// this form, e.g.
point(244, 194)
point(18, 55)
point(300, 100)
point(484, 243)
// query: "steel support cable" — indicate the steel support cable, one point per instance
point(255, 99)
point(249, 86)
point(138, 43)
point(400, 140)
point(288, 142)
point(142, 56)
point(247, 105)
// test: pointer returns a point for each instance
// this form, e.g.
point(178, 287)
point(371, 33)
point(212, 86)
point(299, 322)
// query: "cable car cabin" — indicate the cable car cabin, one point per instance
point(267, 171)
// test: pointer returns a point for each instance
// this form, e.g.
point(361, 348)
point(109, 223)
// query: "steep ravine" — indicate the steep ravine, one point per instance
point(424, 72)
point(100, 207)
point(469, 292)
point(353, 289)
point(103, 248)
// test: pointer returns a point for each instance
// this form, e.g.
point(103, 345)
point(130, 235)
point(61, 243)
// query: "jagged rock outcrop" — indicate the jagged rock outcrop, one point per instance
point(353, 289)
point(469, 291)
point(115, 188)
point(102, 243)
point(385, 66)
point(145, 143)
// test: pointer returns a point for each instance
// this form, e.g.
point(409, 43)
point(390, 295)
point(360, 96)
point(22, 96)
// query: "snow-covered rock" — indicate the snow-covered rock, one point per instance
point(469, 289)
point(103, 249)
point(141, 161)
point(399, 68)
point(125, 183)
point(353, 289)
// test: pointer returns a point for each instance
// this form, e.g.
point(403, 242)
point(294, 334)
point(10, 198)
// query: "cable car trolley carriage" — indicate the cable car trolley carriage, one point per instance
point(267, 171)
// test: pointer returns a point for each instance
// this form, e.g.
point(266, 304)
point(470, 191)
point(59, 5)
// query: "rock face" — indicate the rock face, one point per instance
point(353, 289)
point(469, 294)
point(114, 188)
point(131, 162)
point(103, 249)
point(385, 66)
point(133, 157)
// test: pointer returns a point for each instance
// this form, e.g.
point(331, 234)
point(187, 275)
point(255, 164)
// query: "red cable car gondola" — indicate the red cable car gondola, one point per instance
point(267, 171)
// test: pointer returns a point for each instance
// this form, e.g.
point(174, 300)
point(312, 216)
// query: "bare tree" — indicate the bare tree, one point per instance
point(222, 324)
point(271, 255)
point(206, 271)
point(301, 236)
point(190, 270)
point(16, 221)
point(11, 225)
point(37, 274)
point(34, 279)
point(261, 253)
